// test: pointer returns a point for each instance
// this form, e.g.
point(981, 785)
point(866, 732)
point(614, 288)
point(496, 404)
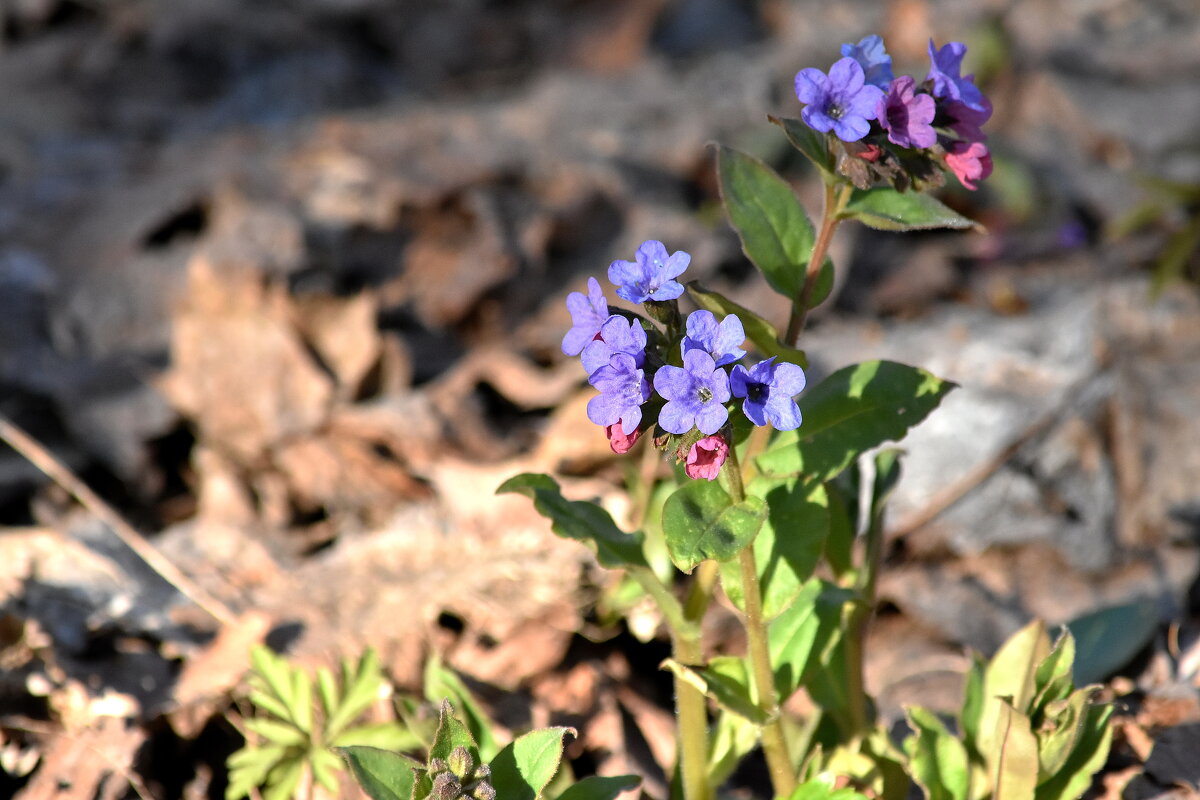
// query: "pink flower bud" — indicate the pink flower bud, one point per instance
point(969, 161)
point(618, 440)
point(705, 458)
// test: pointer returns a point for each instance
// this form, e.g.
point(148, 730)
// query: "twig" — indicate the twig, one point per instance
point(37, 454)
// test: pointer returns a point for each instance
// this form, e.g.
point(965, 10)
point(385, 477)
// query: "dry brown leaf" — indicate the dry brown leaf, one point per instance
point(214, 671)
point(95, 763)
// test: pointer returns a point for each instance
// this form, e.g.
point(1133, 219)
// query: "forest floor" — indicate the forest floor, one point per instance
point(283, 285)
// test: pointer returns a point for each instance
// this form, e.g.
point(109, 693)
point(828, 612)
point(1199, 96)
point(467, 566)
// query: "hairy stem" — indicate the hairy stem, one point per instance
point(835, 199)
point(774, 742)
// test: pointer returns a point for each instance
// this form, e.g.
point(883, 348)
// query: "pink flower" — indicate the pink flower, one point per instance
point(618, 440)
point(705, 458)
point(969, 161)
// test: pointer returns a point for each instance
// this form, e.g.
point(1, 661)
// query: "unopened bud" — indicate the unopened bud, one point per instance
point(461, 763)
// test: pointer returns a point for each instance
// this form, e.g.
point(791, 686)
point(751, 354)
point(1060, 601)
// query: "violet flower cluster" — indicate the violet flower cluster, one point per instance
point(685, 379)
point(894, 129)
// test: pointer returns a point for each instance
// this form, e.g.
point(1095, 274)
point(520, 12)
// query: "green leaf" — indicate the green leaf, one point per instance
point(789, 545)
point(302, 694)
point(1059, 732)
point(327, 691)
point(381, 774)
point(276, 676)
point(886, 209)
point(522, 769)
point(325, 768)
point(1012, 672)
point(1012, 759)
point(249, 767)
point(578, 520)
point(839, 544)
point(760, 332)
point(811, 144)
point(775, 232)
point(439, 681)
point(732, 738)
point(973, 701)
point(451, 733)
point(284, 780)
point(853, 410)
point(1108, 639)
point(937, 759)
point(276, 732)
point(384, 735)
point(598, 788)
point(1089, 755)
point(701, 521)
point(1052, 678)
point(797, 636)
point(726, 679)
point(360, 686)
point(823, 787)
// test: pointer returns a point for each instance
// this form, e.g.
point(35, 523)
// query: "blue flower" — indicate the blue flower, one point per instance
point(617, 335)
point(652, 276)
point(623, 389)
point(587, 316)
point(870, 55)
point(769, 388)
point(945, 65)
point(718, 340)
point(841, 101)
point(695, 394)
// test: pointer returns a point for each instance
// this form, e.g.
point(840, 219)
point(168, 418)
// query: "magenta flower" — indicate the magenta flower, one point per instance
point(841, 102)
point(652, 276)
point(967, 122)
point(720, 340)
point(617, 335)
point(705, 458)
point(969, 161)
point(587, 315)
point(907, 116)
point(873, 58)
point(769, 388)
point(945, 65)
point(695, 394)
point(623, 389)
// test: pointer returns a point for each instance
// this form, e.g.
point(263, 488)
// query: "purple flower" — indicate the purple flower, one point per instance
point(769, 388)
point(870, 55)
point(840, 102)
point(705, 458)
point(652, 276)
point(695, 394)
point(967, 122)
point(617, 335)
point(943, 71)
point(718, 340)
point(587, 316)
point(906, 116)
point(623, 389)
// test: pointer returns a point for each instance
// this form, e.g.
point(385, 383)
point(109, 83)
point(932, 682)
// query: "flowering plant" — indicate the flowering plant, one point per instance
point(770, 469)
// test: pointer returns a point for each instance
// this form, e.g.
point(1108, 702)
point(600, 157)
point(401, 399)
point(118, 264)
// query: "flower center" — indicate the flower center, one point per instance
point(835, 111)
point(756, 392)
point(705, 394)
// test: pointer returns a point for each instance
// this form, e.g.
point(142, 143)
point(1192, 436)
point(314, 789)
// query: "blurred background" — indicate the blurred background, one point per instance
point(283, 283)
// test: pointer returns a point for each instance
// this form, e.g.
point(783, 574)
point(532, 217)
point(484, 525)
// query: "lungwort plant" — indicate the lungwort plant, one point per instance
point(768, 487)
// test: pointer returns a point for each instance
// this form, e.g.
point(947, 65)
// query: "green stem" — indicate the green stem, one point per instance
point(774, 742)
point(835, 200)
point(691, 710)
point(856, 627)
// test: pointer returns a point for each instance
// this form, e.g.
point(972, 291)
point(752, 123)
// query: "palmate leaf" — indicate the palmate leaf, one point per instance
point(361, 684)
